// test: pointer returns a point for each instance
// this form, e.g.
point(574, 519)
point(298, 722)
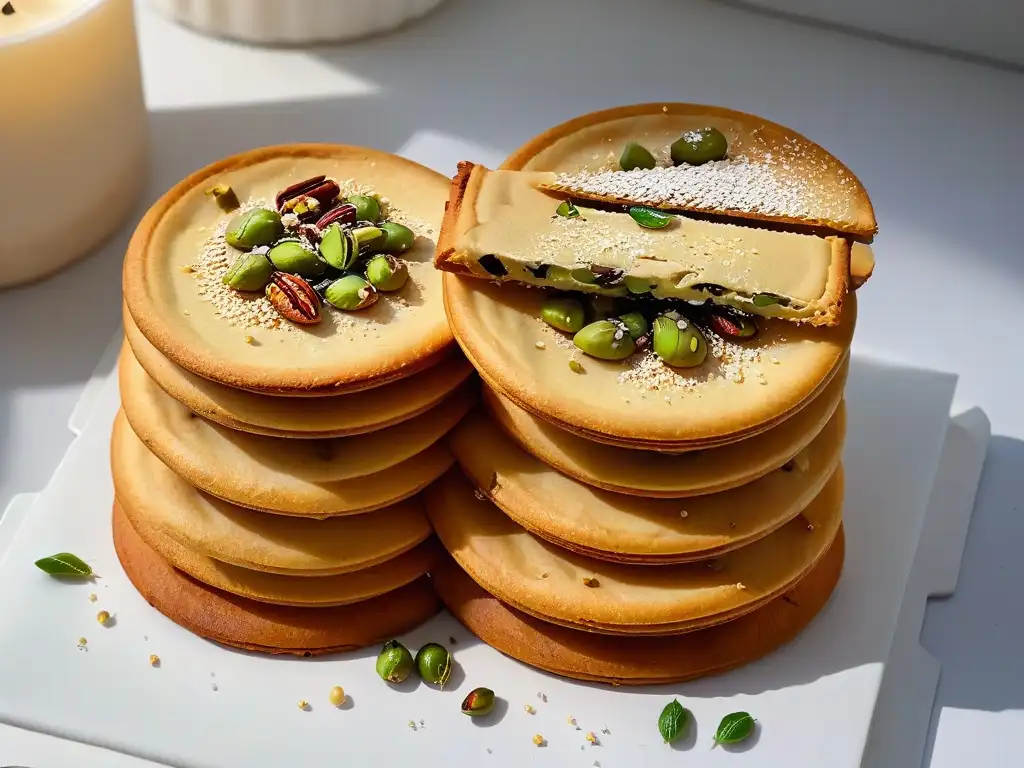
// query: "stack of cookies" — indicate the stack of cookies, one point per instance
point(287, 379)
point(660, 302)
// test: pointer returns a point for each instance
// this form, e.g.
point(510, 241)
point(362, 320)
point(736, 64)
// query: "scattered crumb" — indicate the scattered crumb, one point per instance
point(304, 705)
point(590, 581)
point(576, 366)
point(774, 360)
point(539, 740)
point(103, 617)
point(213, 687)
point(412, 724)
point(488, 750)
point(741, 586)
point(154, 660)
point(542, 696)
point(592, 738)
point(663, 109)
point(82, 641)
point(605, 730)
point(683, 513)
point(481, 496)
point(187, 269)
point(540, 345)
point(529, 709)
point(249, 339)
point(451, 641)
point(92, 597)
point(571, 720)
point(422, 724)
point(810, 526)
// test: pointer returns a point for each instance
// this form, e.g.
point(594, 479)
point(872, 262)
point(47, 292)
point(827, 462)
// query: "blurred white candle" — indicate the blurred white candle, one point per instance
point(73, 131)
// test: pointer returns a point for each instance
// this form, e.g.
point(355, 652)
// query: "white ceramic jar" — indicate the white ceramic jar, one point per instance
point(295, 21)
point(73, 130)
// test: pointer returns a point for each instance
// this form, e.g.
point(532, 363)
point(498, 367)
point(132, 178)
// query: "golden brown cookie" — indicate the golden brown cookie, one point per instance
point(632, 529)
point(567, 588)
point(280, 589)
point(254, 626)
point(638, 660)
point(177, 257)
point(665, 475)
point(306, 417)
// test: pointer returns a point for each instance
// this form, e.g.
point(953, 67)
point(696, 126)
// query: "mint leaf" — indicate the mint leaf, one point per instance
point(64, 564)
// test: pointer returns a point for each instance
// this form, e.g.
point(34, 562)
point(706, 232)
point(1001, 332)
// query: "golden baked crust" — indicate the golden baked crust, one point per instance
point(724, 400)
point(620, 660)
point(633, 529)
point(300, 418)
point(665, 475)
point(571, 146)
point(811, 272)
point(552, 583)
point(255, 626)
point(279, 589)
point(346, 351)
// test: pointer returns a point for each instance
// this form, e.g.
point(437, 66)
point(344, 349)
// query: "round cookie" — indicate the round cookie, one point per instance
point(624, 403)
point(340, 416)
point(155, 498)
point(593, 142)
point(177, 257)
point(662, 475)
point(278, 589)
point(254, 626)
point(566, 588)
point(196, 448)
point(631, 529)
point(286, 495)
point(638, 660)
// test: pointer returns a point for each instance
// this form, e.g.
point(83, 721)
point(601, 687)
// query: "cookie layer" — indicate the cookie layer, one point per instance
point(567, 588)
point(351, 414)
point(621, 528)
point(638, 660)
point(255, 626)
point(745, 389)
point(179, 304)
point(664, 475)
point(278, 589)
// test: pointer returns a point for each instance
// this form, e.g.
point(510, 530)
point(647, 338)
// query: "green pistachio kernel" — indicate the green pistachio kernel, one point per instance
point(250, 272)
point(394, 664)
point(564, 314)
point(338, 247)
point(699, 147)
point(351, 293)
point(638, 284)
point(479, 702)
point(583, 275)
point(386, 273)
point(679, 343)
point(434, 664)
point(605, 340)
point(567, 210)
point(636, 156)
point(635, 323)
point(768, 299)
point(367, 208)
point(397, 238)
point(259, 226)
point(292, 256)
point(368, 238)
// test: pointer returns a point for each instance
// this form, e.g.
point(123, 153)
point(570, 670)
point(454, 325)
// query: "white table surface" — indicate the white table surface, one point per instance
point(936, 141)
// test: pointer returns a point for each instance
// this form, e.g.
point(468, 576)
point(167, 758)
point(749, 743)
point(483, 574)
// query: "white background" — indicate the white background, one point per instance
point(935, 140)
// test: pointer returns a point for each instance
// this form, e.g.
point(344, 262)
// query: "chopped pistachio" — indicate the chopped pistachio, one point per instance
point(539, 740)
point(528, 709)
point(590, 581)
point(224, 196)
point(154, 660)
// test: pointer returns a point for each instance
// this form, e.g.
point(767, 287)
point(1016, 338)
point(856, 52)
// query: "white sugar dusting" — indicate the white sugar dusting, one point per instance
point(729, 361)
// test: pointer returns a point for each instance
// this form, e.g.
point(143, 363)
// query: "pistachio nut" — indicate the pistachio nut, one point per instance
point(634, 156)
point(767, 299)
point(397, 238)
point(638, 284)
point(351, 293)
point(583, 275)
point(605, 340)
point(338, 247)
point(564, 314)
point(292, 256)
point(224, 196)
point(679, 343)
point(259, 226)
point(434, 664)
point(395, 663)
point(635, 323)
point(387, 273)
point(368, 238)
point(478, 702)
point(367, 208)
point(250, 272)
point(699, 147)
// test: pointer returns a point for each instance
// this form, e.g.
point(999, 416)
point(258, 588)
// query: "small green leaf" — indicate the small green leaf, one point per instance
point(734, 728)
point(673, 721)
point(567, 210)
point(650, 218)
point(64, 564)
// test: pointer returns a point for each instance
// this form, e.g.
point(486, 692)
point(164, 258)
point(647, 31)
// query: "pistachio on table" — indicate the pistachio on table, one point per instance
point(699, 147)
point(351, 293)
point(253, 228)
point(395, 663)
point(294, 298)
point(386, 273)
point(679, 343)
point(292, 256)
point(605, 340)
point(564, 314)
point(478, 702)
point(250, 272)
point(434, 664)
